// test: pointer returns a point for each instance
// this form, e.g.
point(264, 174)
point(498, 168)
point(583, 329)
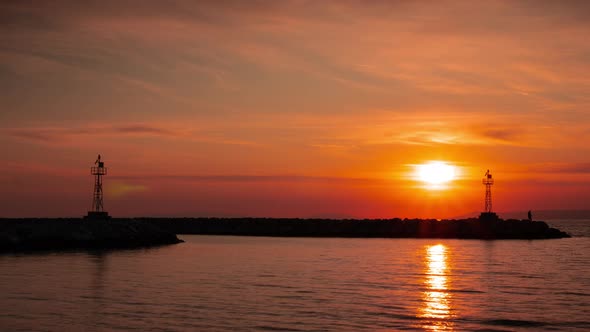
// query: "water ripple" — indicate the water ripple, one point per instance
point(278, 284)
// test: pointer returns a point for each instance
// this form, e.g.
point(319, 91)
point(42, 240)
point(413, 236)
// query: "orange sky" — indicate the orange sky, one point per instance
point(293, 108)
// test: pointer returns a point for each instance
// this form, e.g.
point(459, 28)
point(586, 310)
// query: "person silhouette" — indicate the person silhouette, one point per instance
point(530, 215)
point(98, 162)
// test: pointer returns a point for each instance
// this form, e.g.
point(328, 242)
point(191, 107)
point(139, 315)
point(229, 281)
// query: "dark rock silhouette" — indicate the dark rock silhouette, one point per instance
point(384, 228)
point(58, 234)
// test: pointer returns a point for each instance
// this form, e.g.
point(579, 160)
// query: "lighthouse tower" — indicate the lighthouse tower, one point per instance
point(487, 214)
point(98, 211)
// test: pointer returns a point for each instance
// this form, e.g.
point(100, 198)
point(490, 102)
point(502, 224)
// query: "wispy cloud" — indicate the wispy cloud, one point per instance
point(55, 134)
point(250, 178)
point(562, 168)
point(144, 130)
point(73, 135)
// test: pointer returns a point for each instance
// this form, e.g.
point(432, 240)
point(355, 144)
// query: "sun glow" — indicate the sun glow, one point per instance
point(435, 174)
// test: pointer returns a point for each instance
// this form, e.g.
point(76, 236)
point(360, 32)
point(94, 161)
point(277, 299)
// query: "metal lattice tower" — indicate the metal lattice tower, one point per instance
point(488, 181)
point(97, 202)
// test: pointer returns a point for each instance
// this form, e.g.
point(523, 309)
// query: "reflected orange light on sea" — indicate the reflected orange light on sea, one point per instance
point(436, 301)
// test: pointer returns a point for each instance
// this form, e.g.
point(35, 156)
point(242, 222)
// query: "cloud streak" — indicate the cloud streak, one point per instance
point(52, 135)
point(251, 178)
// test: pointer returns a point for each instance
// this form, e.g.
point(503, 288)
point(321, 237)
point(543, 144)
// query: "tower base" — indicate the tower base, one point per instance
point(94, 215)
point(488, 216)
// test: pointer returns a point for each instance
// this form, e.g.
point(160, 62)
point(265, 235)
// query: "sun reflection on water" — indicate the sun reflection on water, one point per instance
point(436, 308)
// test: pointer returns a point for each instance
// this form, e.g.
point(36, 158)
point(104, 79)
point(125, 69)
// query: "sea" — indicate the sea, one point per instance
point(234, 283)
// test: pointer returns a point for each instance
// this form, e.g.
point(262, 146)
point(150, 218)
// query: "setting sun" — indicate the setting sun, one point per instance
point(435, 173)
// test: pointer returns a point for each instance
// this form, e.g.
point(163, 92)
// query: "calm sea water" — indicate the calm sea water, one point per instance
point(304, 284)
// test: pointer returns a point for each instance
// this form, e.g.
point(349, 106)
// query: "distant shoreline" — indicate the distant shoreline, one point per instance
point(540, 214)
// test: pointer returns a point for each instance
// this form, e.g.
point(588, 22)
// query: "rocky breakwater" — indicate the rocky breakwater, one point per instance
point(60, 234)
point(385, 228)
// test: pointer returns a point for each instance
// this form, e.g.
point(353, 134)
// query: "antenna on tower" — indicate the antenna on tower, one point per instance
point(488, 181)
point(98, 211)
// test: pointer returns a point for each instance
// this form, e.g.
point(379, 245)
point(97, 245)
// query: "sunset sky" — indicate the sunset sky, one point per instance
point(293, 108)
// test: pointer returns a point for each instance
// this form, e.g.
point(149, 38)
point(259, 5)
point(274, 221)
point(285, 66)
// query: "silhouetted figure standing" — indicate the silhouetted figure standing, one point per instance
point(530, 216)
point(98, 162)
